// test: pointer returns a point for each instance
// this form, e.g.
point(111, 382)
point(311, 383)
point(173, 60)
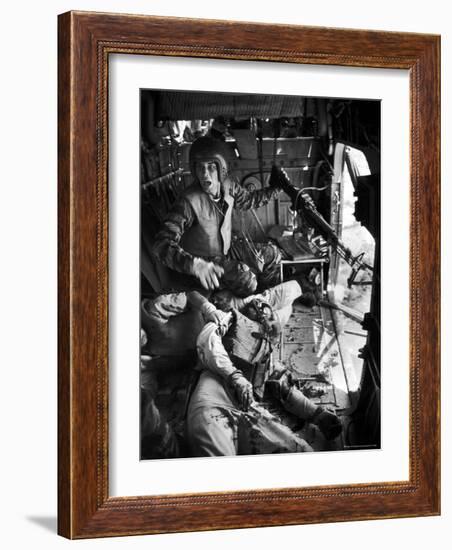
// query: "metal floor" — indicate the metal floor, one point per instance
point(309, 348)
point(323, 371)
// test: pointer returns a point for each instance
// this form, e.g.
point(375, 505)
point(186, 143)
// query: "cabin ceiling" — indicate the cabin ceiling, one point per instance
point(189, 106)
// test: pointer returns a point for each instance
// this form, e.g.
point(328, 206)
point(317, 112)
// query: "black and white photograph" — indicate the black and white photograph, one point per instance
point(260, 289)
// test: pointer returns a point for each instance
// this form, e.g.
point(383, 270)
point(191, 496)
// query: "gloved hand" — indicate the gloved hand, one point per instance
point(327, 422)
point(243, 389)
point(278, 178)
point(207, 272)
point(213, 315)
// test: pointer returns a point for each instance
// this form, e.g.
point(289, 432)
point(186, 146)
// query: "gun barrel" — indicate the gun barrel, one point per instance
point(307, 208)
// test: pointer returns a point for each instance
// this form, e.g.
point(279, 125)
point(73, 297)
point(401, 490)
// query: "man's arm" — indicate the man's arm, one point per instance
point(279, 296)
point(211, 352)
point(244, 200)
point(209, 312)
point(168, 250)
point(215, 358)
point(167, 241)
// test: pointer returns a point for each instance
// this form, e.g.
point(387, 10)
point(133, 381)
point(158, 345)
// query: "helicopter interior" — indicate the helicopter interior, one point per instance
point(327, 230)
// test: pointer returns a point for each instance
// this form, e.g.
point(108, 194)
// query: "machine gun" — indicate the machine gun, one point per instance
point(304, 205)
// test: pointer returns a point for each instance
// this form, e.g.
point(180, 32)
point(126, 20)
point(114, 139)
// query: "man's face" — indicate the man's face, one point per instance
point(225, 300)
point(265, 311)
point(207, 174)
point(261, 312)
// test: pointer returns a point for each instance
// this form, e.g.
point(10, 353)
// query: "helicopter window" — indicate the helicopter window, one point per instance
point(350, 283)
point(350, 288)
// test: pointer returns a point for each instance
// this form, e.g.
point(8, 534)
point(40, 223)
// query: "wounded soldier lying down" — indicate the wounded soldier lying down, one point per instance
point(234, 348)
